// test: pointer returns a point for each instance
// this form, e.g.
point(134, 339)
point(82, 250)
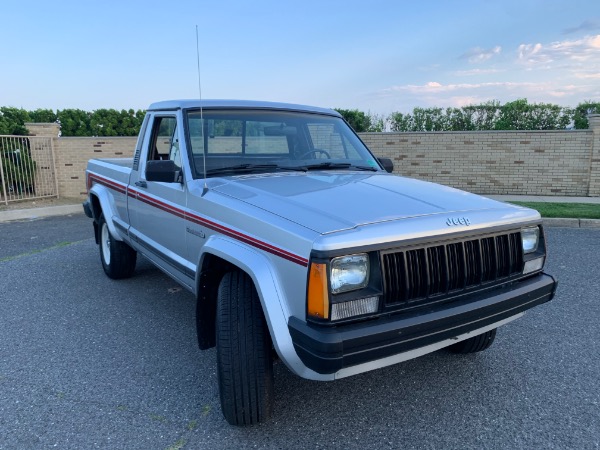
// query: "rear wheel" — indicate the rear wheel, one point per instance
point(244, 360)
point(118, 258)
point(475, 344)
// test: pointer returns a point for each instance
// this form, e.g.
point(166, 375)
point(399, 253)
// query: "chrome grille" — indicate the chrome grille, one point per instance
point(415, 275)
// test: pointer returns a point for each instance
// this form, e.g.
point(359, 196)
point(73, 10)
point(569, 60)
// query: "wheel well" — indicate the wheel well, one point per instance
point(96, 208)
point(211, 272)
point(97, 212)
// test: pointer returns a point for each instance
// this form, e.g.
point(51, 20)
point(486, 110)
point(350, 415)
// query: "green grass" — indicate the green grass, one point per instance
point(39, 250)
point(565, 210)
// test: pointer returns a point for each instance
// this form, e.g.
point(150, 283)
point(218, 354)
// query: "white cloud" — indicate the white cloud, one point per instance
point(435, 87)
point(586, 49)
point(460, 101)
point(478, 54)
point(588, 75)
point(439, 94)
point(562, 72)
point(474, 72)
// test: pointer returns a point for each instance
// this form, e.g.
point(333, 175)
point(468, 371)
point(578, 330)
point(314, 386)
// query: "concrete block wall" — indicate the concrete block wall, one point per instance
point(494, 162)
point(73, 154)
point(594, 120)
point(562, 163)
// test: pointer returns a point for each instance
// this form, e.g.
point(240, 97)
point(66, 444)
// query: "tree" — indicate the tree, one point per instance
point(581, 112)
point(358, 120)
point(516, 115)
point(42, 116)
point(484, 115)
point(74, 122)
point(12, 121)
point(104, 122)
point(400, 121)
point(429, 119)
point(520, 115)
point(130, 122)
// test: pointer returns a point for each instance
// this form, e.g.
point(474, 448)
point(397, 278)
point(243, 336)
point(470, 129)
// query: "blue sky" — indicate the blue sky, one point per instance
point(378, 56)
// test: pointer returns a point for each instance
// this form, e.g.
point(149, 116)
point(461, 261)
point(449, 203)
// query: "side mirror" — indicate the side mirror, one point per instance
point(387, 164)
point(165, 171)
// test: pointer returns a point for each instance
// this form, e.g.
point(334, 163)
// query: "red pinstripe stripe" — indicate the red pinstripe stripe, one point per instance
point(199, 220)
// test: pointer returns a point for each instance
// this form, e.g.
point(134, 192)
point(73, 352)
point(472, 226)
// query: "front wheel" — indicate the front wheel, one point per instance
point(475, 344)
point(244, 359)
point(118, 258)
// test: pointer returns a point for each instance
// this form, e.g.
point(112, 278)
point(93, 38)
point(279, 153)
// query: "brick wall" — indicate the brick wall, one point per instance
point(594, 120)
point(495, 162)
point(73, 153)
point(563, 163)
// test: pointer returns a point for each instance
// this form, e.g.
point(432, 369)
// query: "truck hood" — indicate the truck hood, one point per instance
point(332, 201)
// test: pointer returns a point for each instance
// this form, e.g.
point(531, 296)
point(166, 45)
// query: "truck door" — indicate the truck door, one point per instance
point(156, 208)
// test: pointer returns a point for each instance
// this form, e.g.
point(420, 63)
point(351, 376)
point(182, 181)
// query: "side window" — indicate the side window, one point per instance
point(165, 140)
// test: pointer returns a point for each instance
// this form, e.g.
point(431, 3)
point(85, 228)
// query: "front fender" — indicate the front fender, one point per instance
point(268, 286)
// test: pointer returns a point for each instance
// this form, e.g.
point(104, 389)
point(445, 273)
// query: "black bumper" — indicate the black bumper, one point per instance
point(87, 209)
point(329, 349)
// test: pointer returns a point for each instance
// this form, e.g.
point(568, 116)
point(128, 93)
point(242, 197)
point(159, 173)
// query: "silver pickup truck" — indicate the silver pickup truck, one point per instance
point(298, 244)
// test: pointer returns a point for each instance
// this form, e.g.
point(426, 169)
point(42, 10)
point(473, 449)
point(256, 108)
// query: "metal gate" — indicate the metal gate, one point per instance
point(27, 168)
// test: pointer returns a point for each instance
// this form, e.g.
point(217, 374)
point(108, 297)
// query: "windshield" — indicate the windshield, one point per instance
point(250, 141)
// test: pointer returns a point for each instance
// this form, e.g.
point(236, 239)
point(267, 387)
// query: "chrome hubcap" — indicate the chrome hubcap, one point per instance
point(105, 242)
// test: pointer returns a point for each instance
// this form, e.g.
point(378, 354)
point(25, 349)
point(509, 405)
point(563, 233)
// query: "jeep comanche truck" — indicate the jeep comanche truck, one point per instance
point(297, 243)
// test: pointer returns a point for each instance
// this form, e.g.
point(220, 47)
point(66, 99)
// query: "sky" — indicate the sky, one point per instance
point(377, 56)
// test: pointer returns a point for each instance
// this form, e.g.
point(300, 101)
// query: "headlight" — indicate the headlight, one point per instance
point(349, 273)
point(530, 238)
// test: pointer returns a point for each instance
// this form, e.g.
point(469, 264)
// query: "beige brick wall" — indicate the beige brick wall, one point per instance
point(594, 120)
point(562, 163)
point(495, 162)
point(73, 154)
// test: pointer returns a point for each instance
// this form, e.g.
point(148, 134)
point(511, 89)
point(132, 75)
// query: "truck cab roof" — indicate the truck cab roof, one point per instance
point(237, 104)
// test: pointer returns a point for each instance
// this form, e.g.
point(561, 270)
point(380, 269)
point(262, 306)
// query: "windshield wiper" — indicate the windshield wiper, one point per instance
point(337, 165)
point(327, 165)
point(248, 168)
point(368, 168)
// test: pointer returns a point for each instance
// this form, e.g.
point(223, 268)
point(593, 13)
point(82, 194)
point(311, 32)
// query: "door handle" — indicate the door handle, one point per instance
point(142, 184)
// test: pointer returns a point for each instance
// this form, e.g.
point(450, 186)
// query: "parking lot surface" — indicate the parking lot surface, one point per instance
point(89, 362)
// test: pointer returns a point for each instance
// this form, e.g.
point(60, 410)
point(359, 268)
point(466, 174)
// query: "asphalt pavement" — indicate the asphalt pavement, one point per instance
point(89, 362)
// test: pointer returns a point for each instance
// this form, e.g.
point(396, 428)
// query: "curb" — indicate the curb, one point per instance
point(37, 213)
point(572, 223)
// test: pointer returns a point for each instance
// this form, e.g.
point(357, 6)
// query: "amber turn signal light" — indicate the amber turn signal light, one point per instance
point(318, 297)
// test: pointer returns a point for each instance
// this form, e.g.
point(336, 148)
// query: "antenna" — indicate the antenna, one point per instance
point(198, 60)
point(205, 189)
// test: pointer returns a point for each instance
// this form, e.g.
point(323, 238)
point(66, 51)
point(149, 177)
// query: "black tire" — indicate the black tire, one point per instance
point(244, 360)
point(118, 258)
point(475, 344)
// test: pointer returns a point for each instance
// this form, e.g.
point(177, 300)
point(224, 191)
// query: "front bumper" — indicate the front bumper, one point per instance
point(327, 350)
